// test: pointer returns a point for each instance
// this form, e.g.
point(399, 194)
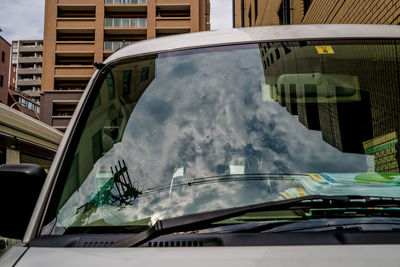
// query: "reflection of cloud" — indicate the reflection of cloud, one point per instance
point(204, 121)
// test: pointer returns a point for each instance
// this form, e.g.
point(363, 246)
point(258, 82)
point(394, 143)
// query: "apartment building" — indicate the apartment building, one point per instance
point(26, 67)
point(78, 33)
point(4, 69)
point(247, 13)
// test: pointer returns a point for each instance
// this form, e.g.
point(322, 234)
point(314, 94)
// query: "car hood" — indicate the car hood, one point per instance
point(364, 255)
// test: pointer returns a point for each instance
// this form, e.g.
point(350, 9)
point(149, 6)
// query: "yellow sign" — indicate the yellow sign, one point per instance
point(325, 49)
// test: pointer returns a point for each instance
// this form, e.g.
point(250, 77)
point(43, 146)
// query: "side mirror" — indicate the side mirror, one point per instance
point(20, 186)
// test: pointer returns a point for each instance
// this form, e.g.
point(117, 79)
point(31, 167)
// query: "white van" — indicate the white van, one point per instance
point(177, 155)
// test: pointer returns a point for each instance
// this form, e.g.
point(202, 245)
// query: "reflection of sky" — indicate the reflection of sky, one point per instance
point(204, 112)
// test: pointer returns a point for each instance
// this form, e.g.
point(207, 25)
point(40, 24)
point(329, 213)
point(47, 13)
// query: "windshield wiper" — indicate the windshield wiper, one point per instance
point(203, 220)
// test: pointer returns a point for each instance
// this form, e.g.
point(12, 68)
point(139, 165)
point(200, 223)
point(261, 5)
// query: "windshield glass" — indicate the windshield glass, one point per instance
point(205, 129)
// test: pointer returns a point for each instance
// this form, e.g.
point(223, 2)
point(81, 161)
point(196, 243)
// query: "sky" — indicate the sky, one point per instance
point(23, 19)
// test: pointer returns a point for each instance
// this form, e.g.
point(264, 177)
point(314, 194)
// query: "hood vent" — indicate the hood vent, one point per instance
point(186, 243)
point(97, 244)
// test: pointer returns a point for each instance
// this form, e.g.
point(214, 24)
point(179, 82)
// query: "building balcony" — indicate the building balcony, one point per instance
point(32, 93)
point(29, 82)
point(172, 2)
point(125, 2)
point(75, 23)
point(30, 59)
point(76, 2)
point(73, 72)
point(171, 23)
point(29, 71)
point(125, 5)
point(60, 122)
point(31, 48)
point(75, 47)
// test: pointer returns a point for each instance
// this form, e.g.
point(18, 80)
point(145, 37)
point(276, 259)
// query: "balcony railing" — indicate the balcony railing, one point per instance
point(125, 2)
point(114, 45)
point(125, 22)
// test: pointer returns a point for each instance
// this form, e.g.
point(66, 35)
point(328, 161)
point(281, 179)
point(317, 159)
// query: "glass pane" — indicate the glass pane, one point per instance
point(117, 22)
point(134, 23)
point(125, 23)
point(206, 129)
point(143, 22)
point(108, 46)
point(108, 22)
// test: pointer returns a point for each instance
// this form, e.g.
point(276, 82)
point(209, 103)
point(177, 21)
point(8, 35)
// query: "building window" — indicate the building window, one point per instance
point(284, 12)
point(242, 12)
point(3, 155)
point(306, 5)
point(126, 83)
point(277, 53)
point(1, 80)
point(250, 17)
point(3, 56)
point(255, 10)
point(145, 74)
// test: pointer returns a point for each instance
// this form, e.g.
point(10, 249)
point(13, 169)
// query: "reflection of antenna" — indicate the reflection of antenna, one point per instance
point(126, 190)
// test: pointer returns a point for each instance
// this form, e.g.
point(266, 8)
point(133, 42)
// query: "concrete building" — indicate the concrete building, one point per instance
point(247, 13)
point(78, 33)
point(26, 67)
point(4, 69)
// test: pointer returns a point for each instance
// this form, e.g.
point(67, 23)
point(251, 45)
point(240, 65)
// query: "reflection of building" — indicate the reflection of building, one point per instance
point(111, 111)
point(352, 99)
point(26, 67)
point(247, 13)
point(385, 151)
point(79, 33)
point(345, 125)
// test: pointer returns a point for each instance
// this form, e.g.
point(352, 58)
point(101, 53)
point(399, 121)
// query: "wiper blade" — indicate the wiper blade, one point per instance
point(202, 220)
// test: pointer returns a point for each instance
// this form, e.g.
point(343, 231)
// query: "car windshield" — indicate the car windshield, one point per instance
point(198, 130)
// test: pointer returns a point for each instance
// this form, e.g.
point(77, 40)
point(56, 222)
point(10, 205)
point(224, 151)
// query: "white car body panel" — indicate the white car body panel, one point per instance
point(363, 256)
point(205, 39)
point(324, 255)
point(256, 34)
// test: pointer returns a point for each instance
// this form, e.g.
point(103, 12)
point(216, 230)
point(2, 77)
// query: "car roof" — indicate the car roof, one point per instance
point(257, 34)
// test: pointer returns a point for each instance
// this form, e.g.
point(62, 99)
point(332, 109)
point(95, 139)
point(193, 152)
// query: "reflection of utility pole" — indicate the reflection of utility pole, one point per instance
point(126, 190)
point(127, 193)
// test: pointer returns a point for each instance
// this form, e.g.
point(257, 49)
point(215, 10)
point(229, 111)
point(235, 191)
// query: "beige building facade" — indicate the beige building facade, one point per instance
point(78, 33)
point(249, 13)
